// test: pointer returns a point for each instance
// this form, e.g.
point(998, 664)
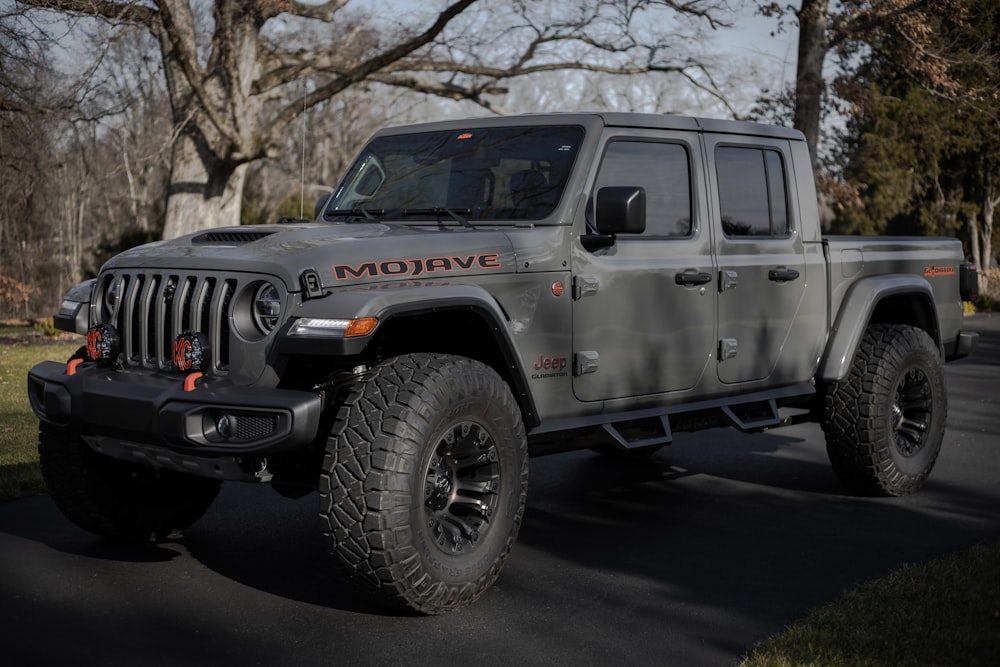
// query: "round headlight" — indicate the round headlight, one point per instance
point(266, 307)
point(112, 296)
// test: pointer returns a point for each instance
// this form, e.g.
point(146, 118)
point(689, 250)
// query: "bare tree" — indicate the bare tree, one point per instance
point(27, 156)
point(235, 80)
point(83, 158)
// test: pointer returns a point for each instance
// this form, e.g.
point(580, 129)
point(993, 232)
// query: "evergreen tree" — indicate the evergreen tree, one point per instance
point(925, 159)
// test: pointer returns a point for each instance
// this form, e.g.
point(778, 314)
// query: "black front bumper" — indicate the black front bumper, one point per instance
point(216, 418)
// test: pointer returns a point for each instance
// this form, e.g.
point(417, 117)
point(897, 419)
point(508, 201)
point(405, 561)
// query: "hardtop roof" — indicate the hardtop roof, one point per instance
point(612, 119)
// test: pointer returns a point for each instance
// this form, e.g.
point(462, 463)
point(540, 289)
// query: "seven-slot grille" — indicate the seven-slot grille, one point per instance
point(150, 310)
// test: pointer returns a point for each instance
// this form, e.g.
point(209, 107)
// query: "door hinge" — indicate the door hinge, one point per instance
point(586, 362)
point(585, 286)
point(727, 280)
point(728, 347)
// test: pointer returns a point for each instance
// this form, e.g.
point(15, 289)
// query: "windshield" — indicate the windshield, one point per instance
point(504, 173)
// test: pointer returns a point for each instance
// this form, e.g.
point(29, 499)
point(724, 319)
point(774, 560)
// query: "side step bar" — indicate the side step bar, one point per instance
point(663, 438)
point(748, 417)
point(655, 426)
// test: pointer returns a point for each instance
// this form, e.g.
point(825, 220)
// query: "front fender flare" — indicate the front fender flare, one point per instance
point(387, 301)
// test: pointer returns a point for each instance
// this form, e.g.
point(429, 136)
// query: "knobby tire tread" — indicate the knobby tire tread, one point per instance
point(372, 453)
point(854, 422)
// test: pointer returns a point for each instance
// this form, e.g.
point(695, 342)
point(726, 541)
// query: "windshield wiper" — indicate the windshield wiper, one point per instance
point(456, 214)
point(356, 213)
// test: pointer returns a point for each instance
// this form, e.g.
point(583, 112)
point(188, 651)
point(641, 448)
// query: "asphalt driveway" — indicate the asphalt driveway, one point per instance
point(719, 542)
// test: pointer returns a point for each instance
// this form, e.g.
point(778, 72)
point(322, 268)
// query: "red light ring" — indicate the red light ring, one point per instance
point(191, 352)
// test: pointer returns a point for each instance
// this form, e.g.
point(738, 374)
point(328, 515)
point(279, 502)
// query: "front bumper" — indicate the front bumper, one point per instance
point(216, 418)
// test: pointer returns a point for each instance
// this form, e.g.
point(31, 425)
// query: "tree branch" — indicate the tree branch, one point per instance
point(113, 12)
point(178, 34)
point(324, 12)
point(365, 69)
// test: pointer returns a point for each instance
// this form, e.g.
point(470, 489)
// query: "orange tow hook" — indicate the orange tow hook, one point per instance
point(189, 381)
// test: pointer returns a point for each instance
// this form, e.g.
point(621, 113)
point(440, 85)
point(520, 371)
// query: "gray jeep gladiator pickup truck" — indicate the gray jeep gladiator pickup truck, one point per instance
point(477, 291)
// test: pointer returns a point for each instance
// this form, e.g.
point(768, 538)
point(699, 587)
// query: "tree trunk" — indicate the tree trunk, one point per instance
point(974, 242)
point(201, 195)
point(986, 262)
point(809, 83)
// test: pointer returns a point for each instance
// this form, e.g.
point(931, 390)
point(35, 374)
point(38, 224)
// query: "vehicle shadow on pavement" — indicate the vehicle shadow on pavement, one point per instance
point(671, 543)
point(273, 545)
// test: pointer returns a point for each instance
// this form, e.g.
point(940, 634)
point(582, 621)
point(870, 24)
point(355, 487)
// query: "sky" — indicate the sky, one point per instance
point(749, 59)
point(747, 54)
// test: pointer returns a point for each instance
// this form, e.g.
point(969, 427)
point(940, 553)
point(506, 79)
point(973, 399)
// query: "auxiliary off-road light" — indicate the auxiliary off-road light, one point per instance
point(317, 326)
point(191, 352)
point(103, 344)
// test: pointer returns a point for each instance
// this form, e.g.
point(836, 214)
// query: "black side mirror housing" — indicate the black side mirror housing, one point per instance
point(621, 210)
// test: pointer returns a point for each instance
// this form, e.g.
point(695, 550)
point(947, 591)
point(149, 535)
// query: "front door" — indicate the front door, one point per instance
point(644, 308)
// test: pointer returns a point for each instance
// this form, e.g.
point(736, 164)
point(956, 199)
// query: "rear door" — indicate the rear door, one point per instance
point(760, 254)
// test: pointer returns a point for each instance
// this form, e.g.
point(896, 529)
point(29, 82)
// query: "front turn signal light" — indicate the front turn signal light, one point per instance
point(361, 326)
point(318, 326)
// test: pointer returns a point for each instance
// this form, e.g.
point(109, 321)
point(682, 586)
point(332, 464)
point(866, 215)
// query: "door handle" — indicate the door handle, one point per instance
point(782, 275)
point(688, 279)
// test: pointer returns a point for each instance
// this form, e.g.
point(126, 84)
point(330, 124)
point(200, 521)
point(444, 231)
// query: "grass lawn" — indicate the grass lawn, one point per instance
point(945, 612)
point(19, 473)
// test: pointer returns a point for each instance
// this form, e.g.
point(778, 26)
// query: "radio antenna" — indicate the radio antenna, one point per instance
point(302, 171)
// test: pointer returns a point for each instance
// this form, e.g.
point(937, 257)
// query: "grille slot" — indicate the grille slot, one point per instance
point(152, 309)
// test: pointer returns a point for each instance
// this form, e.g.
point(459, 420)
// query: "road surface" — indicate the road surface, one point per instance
point(719, 542)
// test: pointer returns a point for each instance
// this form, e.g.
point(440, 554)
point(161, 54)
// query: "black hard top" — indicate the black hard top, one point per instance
point(613, 119)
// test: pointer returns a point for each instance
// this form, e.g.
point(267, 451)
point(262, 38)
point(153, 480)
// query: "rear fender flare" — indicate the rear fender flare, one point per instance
point(858, 309)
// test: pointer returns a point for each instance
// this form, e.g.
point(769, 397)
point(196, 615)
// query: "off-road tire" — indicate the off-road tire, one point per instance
point(116, 499)
point(885, 422)
point(424, 481)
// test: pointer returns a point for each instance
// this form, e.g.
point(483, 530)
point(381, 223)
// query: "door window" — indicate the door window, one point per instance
point(663, 171)
point(752, 192)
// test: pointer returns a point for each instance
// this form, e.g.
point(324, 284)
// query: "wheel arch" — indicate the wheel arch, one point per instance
point(890, 299)
point(463, 320)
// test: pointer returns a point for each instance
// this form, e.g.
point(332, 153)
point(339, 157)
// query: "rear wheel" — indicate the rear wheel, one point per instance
point(885, 422)
point(424, 481)
point(116, 499)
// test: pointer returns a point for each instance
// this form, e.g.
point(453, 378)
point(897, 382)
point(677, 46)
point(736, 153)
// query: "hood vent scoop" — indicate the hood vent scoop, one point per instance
point(230, 238)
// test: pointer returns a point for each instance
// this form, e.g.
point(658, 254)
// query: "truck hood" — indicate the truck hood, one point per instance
point(342, 254)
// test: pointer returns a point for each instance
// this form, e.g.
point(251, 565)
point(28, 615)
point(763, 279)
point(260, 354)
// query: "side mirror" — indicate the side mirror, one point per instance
point(621, 210)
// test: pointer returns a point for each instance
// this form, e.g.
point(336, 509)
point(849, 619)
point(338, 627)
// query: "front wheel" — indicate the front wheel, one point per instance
point(424, 481)
point(885, 422)
point(116, 499)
